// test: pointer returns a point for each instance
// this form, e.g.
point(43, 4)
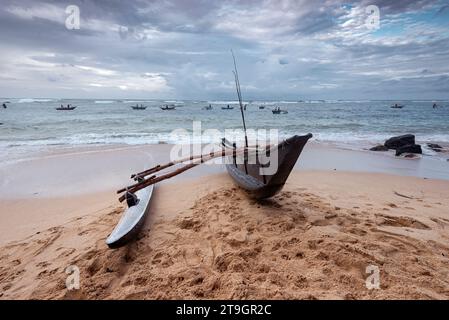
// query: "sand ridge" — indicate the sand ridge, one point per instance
point(304, 243)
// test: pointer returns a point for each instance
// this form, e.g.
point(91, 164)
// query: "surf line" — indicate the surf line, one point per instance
point(193, 310)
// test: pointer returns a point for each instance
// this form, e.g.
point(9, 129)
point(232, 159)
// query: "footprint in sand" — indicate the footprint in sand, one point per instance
point(321, 223)
point(356, 231)
point(43, 264)
point(16, 262)
point(440, 222)
point(401, 222)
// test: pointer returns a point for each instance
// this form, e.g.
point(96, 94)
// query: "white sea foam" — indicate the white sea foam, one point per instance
point(224, 102)
point(31, 100)
point(105, 101)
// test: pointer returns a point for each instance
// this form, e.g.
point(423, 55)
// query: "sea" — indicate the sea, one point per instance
point(30, 124)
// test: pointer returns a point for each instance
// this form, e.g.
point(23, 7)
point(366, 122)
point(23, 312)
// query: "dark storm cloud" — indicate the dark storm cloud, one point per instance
point(181, 48)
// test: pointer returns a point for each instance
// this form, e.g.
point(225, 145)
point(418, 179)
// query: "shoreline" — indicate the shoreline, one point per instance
point(23, 152)
point(73, 171)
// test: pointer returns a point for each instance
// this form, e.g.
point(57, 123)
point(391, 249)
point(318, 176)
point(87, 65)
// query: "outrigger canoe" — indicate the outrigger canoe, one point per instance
point(249, 174)
point(132, 219)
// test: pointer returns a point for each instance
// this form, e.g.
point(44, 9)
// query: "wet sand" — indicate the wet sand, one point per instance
point(205, 239)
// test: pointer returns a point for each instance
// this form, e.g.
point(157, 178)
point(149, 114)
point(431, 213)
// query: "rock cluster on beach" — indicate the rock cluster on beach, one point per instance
point(409, 148)
point(402, 144)
point(379, 147)
point(400, 141)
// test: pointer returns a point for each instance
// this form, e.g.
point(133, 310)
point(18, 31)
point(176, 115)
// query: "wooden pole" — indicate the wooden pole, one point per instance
point(199, 159)
point(159, 167)
point(151, 181)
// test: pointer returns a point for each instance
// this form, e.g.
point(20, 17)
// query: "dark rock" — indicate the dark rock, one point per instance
point(410, 156)
point(434, 146)
point(400, 141)
point(379, 148)
point(411, 148)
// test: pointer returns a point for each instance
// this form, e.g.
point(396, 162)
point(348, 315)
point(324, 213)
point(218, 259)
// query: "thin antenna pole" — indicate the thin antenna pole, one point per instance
point(239, 95)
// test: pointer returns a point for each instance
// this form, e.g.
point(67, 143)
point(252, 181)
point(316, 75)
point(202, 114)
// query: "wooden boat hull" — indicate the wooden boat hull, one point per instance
point(262, 186)
point(132, 220)
point(66, 109)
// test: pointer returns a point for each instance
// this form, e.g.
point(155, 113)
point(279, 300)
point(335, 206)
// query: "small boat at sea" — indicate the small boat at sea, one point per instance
point(132, 219)
point(397, 106)
point(137, 107)
point(68, 108)
point(228, 107)
point(168, 107)
point(209, 107)
point(261, 107)
point(278, 110)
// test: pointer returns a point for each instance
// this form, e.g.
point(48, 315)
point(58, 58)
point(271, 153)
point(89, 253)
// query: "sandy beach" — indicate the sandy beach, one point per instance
point(206, 239)
point(333, 115)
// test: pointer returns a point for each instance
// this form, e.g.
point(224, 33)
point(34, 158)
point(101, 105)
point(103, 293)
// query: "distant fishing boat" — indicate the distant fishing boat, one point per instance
point(209, 107)
point(397, 106)
point(137, 107)
point(278, 110)
point(261, 107)
point(168, 107)
point(68, 108)
point(228, 107)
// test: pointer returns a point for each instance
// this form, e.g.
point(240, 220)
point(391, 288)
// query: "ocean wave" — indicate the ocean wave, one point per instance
point(104, 101)
point(287, 102)
point(135, 101)
point(173, 101)
point(32, 100)
point(224, 102)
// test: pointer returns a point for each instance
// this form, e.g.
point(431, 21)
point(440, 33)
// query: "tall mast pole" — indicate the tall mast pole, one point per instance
point(239, 95)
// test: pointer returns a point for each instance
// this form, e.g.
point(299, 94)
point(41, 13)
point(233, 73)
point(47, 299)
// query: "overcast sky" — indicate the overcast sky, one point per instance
point(181, 49)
